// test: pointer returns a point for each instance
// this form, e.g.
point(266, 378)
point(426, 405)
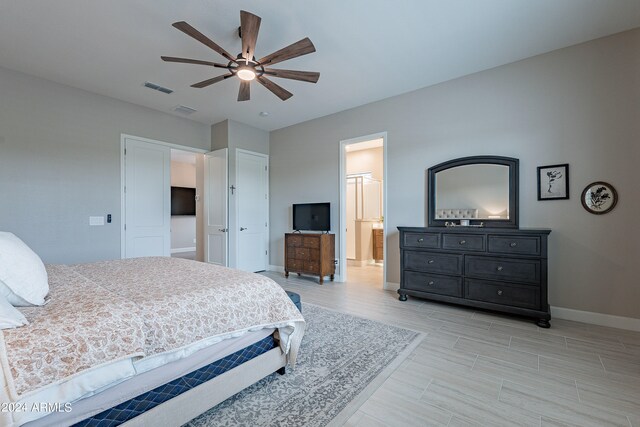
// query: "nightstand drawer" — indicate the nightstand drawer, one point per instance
point(511, 269)
point(500, 293)
point(463, 242)
point(433, 283)
point(514, 245)
point(421, 240)
point(433, 262)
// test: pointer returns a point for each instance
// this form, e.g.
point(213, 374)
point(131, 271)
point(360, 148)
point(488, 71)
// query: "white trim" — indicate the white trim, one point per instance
point(181, 250)
point(391, 286)
point(123, 138)
point(342, 277)
point(276, 268)
point(630, 323)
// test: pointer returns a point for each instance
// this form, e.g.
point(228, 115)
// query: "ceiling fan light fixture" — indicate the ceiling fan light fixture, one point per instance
point(246, 73)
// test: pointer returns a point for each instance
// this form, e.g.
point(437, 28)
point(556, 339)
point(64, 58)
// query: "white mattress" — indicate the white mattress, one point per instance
point(126, 379)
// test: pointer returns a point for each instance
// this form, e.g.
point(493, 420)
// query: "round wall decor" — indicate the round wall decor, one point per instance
point(599, 197)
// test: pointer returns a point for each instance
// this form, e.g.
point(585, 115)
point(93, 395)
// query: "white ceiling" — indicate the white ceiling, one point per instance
point(367, 50)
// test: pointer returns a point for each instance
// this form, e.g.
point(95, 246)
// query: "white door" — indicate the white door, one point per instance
point(216, 240)
point(147, 181)
point(252, 210)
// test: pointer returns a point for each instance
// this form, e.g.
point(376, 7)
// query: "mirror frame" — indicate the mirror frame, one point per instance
point(514, 198)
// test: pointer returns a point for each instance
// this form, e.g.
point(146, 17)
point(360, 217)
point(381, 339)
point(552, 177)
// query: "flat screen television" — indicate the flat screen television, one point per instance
point(183, 201)
point(312, 216)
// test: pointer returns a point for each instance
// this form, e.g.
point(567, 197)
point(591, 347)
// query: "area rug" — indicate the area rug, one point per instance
point(339, 357)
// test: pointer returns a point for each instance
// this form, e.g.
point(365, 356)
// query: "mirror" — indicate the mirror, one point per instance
point(474, 191)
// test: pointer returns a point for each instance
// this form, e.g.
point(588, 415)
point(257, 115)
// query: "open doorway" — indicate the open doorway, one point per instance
point(362, 210)
point(183, 204)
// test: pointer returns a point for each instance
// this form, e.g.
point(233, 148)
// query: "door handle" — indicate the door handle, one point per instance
point(242, 228)
point(224, 230)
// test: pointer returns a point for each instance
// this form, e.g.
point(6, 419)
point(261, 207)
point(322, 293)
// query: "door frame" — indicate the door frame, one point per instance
point(236, 213)
point(342, 232)
point(123, 138)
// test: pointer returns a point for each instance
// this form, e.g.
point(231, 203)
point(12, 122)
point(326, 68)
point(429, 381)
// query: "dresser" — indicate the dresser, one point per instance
point(310, 254)
point(498, 269)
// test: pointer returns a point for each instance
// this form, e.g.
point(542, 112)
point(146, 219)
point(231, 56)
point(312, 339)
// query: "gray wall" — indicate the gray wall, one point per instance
point(577, 105)
point(60, 163)
point(233, 135)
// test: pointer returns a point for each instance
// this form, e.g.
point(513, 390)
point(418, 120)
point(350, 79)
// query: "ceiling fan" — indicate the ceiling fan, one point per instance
point(244, 65)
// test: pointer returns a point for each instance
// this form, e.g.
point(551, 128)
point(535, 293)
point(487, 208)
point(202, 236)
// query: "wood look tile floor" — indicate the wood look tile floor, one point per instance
point(478, 368)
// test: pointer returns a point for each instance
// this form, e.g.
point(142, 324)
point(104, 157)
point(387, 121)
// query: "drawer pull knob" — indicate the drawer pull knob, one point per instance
point(499, 292)
point(431, 283)
point(513, 244)
point(420, 240)
point(462, 242)
point(500, 268)
point(430, 261)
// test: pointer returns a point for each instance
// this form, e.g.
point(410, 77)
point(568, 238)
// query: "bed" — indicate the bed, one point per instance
point(145, 341)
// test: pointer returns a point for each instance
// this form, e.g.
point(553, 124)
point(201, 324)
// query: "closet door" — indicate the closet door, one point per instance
point(252, 209)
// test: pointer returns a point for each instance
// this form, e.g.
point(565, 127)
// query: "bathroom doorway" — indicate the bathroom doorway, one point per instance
point(363, 210)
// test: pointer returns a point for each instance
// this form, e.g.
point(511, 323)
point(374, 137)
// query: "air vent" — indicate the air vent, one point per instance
point(157, 87)
point(183, 109)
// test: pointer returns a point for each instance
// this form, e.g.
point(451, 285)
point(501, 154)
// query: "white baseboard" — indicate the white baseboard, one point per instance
point(601, 319)
point(278, 268)
point(180, 250)
point(391, 286)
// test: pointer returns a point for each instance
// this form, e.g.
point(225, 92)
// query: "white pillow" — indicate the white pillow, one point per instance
point(23, 278)
point(10, 317)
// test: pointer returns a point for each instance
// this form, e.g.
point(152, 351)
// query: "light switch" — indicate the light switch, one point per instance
point(96, 220)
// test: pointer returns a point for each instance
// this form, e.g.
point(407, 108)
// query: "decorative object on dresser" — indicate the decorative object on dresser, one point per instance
point(599, 198)
point(478, 190)
point(497, 269)
point(378, 244)
point(310, 254)
point(553, 182)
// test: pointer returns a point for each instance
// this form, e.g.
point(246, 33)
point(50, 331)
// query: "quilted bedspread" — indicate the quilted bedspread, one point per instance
point(136, 308)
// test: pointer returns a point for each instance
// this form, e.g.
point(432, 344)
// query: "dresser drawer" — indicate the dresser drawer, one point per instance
point(302, 253)
point(514, 245)
point(312, 266)
point(295, 265)
point(433, 283)
point(433, 262)
point(499, 293)
point(421, 240)
point(463, 242)
point(511, 269)
point(311, 242)
point(293, 241)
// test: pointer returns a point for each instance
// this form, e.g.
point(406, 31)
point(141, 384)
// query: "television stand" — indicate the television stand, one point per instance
point(306, 253)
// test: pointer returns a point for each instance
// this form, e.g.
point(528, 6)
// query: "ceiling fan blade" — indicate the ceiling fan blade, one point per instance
point(244, 93)
point(192, 32)
point(294, 50)
point(209, 82)
point(192, 61)
point(305, 76)
point(249, 27)
point(279, 91)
